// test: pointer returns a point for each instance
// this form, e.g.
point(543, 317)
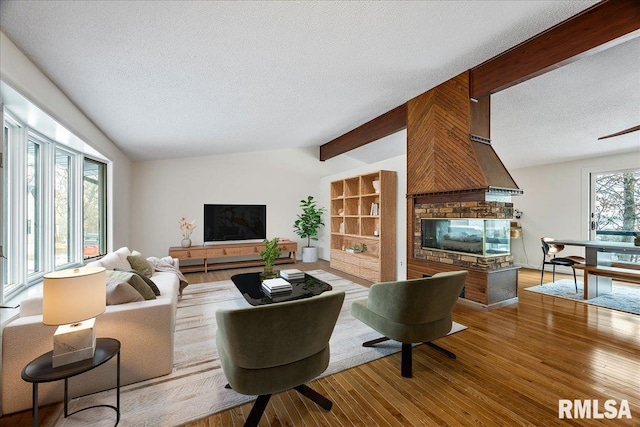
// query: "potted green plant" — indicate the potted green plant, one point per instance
point(269, 254)
point(307, 226)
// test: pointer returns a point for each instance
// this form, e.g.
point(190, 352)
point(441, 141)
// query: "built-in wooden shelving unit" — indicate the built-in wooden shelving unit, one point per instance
point(362, 214)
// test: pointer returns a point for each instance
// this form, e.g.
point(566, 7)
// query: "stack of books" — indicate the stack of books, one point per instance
point(276, 286)
point(292, 274)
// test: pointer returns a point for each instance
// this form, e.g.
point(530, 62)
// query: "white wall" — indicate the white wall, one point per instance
point(23, 76)
point(165, 190)
point(398, 164)
point(555, 203)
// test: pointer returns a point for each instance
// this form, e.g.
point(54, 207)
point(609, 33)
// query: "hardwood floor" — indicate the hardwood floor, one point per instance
point(513, 365)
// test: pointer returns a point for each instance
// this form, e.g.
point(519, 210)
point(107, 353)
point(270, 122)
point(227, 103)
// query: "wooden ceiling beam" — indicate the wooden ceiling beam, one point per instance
point(384, 125)
point(595, 29)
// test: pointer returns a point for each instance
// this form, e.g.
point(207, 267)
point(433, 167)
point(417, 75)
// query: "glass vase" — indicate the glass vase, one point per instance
point(268, 273)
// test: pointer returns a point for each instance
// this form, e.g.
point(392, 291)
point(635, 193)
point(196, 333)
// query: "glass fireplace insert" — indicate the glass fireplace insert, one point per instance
point(479, 237)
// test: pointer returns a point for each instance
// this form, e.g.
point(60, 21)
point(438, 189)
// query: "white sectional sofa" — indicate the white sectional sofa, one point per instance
point(145, 330)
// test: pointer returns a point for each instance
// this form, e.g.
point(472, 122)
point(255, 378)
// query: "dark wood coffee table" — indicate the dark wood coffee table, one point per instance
point(250, 286)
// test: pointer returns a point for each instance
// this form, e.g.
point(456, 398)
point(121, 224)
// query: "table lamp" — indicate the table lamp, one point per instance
point(71, 300)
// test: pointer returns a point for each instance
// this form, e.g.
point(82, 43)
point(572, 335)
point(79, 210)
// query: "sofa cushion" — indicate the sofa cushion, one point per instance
point(135, 281)
point(113, 260)
point(119, 292)
point(147, 280)
point(140, 263)
point(109, 261)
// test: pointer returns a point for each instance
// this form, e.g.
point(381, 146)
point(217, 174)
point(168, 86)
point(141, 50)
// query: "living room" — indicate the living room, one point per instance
point(147, 197)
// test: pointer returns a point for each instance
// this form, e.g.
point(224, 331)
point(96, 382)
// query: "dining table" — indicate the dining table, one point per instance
point(603, 253)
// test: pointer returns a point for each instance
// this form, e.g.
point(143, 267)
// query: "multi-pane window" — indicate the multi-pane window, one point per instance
point(52, 197)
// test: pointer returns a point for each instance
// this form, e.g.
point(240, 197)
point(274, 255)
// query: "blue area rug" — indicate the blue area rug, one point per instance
point(623, 298)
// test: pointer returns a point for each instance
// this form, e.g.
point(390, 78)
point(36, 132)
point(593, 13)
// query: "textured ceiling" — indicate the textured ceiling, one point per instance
point(167, 79)
point(566, 110)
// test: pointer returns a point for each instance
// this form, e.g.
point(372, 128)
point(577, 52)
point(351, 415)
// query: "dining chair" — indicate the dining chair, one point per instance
point(549, 252)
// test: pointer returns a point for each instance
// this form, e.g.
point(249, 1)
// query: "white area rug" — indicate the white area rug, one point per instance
point(195, 389)
point(622, 297)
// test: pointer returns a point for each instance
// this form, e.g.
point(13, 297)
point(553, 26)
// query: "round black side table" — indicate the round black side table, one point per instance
point(40, 370)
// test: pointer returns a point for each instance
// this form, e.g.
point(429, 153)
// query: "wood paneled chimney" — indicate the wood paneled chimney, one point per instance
point(448, 144)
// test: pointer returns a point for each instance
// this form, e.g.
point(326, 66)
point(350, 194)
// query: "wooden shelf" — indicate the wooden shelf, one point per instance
point(353, 198)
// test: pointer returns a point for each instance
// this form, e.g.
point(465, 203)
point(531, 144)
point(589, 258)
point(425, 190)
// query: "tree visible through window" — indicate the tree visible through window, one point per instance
point(617, 206)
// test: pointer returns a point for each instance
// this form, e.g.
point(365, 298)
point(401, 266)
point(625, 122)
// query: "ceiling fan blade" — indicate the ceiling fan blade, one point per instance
point(622, 132)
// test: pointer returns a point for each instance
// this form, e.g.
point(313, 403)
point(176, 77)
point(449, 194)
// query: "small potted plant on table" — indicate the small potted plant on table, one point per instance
point(307, 225)
point(269, 255)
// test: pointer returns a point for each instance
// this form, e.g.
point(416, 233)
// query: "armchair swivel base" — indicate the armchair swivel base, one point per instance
point(261, 402)
point(406, 364)
point(411, 311)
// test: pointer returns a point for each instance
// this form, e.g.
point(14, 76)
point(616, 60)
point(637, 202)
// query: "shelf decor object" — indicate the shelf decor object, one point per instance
point(71, 300)
point(186, 228)
point(363, 215)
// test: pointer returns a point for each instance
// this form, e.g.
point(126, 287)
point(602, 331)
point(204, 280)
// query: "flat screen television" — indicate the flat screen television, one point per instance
point(224, 223)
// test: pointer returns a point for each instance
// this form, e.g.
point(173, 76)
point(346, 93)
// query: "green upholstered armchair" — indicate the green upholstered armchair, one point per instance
point(411, 311)
point(276, 347)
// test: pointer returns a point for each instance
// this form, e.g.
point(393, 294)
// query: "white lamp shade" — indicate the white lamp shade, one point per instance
point(74, 295)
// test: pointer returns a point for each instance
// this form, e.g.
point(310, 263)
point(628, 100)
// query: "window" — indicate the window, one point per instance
point(62, 208)
point(93, 209)
point(5, 138)
point(34, 203)
point(616, 209)
point(52, 196)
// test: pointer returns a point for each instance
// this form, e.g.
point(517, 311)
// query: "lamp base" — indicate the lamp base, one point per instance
point(74, 342)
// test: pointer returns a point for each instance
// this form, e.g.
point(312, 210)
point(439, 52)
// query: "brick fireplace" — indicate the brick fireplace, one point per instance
point(454, 174)
point(493, 278)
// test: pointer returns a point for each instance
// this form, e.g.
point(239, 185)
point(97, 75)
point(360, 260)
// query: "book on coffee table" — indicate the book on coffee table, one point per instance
point(276, 285)
point(292, 274)
point(276, 293)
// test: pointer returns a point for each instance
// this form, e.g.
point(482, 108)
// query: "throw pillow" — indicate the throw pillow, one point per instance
point(147, 280)
point(139, 263)
point(119, 292)
point(135, 281)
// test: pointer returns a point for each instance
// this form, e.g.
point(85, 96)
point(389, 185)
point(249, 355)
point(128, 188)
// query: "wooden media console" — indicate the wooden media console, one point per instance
point(225, 251)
